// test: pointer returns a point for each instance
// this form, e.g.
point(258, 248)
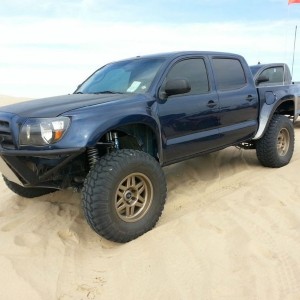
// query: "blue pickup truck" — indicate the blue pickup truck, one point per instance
point(112, 136)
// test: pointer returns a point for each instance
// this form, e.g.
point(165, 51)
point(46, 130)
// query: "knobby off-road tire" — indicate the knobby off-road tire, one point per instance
point(275, 149)
point(124, 195)
point(27, 192)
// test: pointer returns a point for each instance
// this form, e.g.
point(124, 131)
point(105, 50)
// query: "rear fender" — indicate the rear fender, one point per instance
point(283, 107)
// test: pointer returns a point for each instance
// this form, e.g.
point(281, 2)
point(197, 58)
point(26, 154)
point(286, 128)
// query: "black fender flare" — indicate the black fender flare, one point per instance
point(266, 113)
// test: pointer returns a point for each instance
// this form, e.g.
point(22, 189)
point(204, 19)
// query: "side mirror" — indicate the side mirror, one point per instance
point(177, 86)
point(261, 79)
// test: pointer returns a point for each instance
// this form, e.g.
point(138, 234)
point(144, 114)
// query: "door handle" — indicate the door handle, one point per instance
point(250, 98)
point(211, 104)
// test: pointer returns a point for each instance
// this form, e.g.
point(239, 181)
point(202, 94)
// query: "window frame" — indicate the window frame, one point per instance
point(215, 73)
point(206, 66)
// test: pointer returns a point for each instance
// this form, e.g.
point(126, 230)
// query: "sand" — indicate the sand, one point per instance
point(230, 230)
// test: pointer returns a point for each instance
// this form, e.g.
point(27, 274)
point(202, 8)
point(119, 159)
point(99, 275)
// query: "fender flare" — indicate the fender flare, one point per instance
point(266, 114)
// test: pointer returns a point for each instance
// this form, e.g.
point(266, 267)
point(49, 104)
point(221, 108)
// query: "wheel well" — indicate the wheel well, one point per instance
point(140, 137)
point(137, 137)
point(286, 108)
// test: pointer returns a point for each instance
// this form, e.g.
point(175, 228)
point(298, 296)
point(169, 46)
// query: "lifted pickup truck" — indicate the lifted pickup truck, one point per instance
point(112, 136)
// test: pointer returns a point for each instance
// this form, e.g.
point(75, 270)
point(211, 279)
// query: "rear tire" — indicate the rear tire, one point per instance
point(275, 149)
point(27, 192)
point(124, 195)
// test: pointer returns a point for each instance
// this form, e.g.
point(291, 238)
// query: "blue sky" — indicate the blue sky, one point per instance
point(49, 47)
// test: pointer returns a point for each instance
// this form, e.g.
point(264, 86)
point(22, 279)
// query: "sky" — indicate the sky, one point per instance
point(49, 47)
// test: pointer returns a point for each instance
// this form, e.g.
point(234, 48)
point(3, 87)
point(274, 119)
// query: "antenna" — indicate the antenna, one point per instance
point(294, 50)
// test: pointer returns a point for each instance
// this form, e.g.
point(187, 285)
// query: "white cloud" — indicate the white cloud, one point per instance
point(49, 57)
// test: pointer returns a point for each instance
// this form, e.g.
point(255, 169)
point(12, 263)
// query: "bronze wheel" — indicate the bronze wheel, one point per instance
point(133, 197)
point(283, 142)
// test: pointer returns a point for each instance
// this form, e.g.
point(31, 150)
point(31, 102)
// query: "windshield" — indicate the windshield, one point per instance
point(131, 76)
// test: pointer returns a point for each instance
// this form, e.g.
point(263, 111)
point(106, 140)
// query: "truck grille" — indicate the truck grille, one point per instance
point(6, 139)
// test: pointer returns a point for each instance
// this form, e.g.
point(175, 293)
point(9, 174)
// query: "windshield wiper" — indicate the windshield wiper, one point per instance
point(78, 93)
point(107, 92)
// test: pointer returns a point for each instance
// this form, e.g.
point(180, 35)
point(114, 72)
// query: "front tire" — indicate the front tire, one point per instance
point(27, 192)
point(124, 195)
point(275, 149)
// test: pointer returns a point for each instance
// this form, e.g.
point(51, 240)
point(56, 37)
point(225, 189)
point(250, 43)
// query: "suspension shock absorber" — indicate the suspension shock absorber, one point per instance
point(93, 156)
point(109, 141)
point(116, 141)
point(112, 140)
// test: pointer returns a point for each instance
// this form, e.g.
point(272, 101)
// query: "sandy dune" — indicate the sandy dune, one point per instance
point(230, 230)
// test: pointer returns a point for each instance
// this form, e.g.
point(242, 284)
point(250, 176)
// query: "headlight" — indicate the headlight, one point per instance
point(43, 131)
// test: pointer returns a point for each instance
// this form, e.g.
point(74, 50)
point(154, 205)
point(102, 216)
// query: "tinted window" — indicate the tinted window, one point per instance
point(275, 75)
point(229, 73)
point(194, 71)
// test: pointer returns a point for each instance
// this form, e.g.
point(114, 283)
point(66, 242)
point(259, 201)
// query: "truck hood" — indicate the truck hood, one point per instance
point(54, 106)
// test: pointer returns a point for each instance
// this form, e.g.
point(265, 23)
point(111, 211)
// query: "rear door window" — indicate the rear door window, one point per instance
point(229, 74)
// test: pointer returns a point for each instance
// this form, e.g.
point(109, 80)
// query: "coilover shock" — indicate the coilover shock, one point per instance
point(93, 156)
point(112, 140)
point(116, 140)
point(112, 143)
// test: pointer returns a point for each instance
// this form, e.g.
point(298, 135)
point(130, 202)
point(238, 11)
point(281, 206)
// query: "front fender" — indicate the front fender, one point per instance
point(90, 124)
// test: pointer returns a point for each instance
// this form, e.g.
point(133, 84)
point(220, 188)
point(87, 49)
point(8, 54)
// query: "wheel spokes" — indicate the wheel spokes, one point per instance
point(121, 208)
point(283, 142)
point(133, 197)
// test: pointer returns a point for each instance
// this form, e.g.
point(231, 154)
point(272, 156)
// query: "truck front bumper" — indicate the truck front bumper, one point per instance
point(12, 164)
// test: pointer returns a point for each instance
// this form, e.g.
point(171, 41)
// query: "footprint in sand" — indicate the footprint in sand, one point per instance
point(11, 225)
point(68, 236)
point(21, 204)
point(27, 240)
point(17, 207)
point(14, 208)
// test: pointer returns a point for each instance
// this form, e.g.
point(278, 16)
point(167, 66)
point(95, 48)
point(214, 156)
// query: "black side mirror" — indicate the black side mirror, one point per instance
point(261, 79)
point(177, 86)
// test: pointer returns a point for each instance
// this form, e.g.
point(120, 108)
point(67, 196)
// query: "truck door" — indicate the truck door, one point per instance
point(238, 101)
point(189, 121)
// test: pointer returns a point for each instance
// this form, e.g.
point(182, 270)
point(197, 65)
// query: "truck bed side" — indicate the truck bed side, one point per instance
point(281, 99)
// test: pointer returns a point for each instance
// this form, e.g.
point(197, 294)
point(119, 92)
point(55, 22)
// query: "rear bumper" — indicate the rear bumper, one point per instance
point(12, 164)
